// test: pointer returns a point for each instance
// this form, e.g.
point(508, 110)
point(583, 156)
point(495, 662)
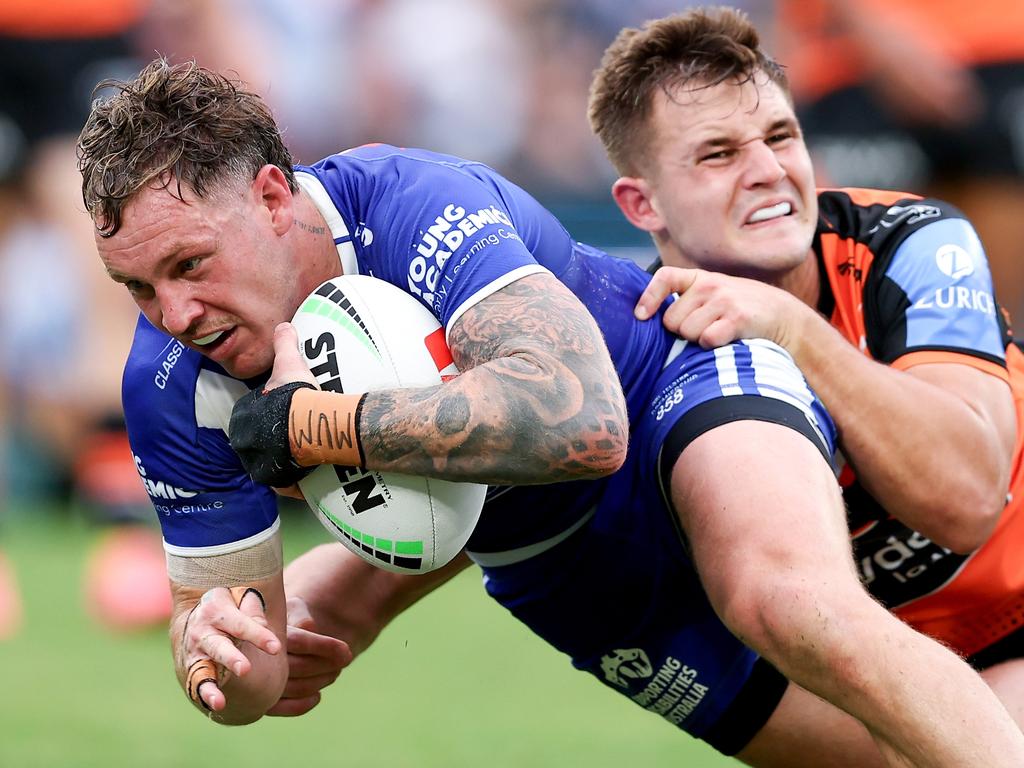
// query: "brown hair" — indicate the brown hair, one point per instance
point(701, 48)
point(176, 124)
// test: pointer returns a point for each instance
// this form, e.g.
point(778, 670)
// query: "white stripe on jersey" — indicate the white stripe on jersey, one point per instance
point(675, 351)
point(216, 395)
point(311, 185)
point(728, 377)
point(777, 376)
point(513, 556)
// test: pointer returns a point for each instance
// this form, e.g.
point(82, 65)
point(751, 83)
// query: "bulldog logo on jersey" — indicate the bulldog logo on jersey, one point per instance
point(625, 664)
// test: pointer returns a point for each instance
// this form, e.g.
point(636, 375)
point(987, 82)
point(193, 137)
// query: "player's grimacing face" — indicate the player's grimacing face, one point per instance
point(732, 180)
point(209, 271)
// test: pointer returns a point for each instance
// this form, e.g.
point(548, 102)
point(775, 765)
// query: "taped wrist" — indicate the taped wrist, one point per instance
point(259, 435)
point(324, 428)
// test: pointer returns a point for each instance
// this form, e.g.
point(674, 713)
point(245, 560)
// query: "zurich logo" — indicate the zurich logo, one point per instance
point(954, 261)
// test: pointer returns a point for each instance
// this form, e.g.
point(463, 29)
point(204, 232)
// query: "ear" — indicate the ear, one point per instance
point(634, 198)
point(271, 191)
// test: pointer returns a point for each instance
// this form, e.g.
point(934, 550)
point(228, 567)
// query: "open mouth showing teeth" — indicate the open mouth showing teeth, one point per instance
point(771, 212)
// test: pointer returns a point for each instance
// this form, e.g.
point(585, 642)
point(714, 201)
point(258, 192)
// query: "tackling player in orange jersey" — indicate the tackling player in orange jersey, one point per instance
point(884, 300)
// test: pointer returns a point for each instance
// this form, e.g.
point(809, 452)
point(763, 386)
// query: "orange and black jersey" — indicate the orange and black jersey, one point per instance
point(906, 280)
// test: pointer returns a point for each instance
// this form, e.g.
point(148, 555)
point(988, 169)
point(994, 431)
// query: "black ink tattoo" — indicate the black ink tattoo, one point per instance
point(538, 401)
point(315, 229)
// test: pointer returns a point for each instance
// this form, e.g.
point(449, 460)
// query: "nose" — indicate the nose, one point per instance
point(178, 310)
point(763, 167)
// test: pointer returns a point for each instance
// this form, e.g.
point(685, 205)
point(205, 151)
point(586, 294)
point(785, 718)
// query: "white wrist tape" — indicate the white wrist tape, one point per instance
point(243, 567)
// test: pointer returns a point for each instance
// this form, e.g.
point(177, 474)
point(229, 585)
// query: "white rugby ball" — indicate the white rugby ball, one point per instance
point(358, 334)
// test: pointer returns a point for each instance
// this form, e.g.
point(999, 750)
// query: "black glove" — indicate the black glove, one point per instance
point(259, 435)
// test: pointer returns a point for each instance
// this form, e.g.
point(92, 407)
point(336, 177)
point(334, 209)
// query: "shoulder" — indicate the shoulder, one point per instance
point(875, 216)
point(176, 402)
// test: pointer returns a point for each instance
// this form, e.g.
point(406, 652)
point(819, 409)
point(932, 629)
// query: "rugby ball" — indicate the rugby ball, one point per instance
point(358, 334)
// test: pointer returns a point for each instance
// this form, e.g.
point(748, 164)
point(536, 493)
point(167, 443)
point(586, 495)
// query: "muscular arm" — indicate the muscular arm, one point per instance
point(538, 401)
point(769, 538)
point(933, 443)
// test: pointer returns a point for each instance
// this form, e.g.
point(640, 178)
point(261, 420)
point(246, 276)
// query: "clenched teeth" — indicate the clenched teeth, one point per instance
point(771, 212)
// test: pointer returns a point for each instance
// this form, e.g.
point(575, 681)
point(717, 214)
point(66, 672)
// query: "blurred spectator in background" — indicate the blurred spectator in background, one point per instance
point(64, 336)
point(64, 332)
point(924, 96)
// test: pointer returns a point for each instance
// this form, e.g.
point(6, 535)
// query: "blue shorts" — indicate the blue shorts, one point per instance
point(633, 614)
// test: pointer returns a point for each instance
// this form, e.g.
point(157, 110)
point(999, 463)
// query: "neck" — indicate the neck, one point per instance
point(803, 281)
point(319, 260)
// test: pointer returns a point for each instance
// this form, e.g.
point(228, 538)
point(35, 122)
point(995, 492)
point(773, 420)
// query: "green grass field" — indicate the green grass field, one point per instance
point(454, 682)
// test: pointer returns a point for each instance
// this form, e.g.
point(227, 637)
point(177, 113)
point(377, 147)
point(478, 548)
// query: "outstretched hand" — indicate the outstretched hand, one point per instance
point(221, 621)
point(713, 309)
point(314, 662)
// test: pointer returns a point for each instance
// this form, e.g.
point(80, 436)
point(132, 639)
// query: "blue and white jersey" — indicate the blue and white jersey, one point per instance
point(597, 568)
point(448, 231)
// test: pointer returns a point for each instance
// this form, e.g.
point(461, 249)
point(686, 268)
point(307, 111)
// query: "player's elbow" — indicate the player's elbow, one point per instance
point(600, 448)
point(964, 523)
point(964, 508)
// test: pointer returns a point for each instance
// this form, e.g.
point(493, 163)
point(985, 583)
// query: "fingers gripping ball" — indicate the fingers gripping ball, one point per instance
point(358, 334)
point(204, 670)
point(259, 435)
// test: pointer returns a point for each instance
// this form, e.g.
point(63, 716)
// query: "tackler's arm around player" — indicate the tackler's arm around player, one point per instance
point(935, 440)
point(538, 401)
point(228, 645)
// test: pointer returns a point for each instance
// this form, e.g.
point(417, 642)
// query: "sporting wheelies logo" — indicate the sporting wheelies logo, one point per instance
point(672, 691)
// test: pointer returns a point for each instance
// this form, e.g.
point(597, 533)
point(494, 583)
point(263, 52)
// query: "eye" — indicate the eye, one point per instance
point(722, 154)
point(189, 265)
point(780, 137)
point(137, 288)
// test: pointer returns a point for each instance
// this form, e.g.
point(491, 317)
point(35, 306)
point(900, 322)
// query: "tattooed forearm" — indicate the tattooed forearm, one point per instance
point(538, 400)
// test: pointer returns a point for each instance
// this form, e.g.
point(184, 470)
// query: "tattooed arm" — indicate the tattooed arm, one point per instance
point(538, 399)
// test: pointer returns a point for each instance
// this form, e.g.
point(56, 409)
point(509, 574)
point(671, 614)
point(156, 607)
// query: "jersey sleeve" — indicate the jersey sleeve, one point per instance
point(176, 410)
point(747, 380)
point(934, 301)
point(448, 231)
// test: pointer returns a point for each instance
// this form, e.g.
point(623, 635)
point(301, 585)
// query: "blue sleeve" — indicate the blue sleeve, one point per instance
point(937, 295)
point(448, 231)
point(752, 379)
point(174, 407)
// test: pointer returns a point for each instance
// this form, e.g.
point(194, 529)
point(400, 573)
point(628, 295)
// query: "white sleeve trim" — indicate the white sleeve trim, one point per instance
point(224, 549)
point(493, 287)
